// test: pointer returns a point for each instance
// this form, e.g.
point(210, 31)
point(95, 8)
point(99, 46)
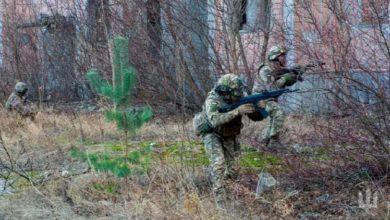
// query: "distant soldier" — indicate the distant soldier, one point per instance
point(270, 77)
point(220, 137)
point(17, 102)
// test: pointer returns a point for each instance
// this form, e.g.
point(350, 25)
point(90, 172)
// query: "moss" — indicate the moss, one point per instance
point(322, 154)
point(198, 158)
point(21, 183)
point(110, 188)
point(117, 148)
point(193, 153)
point(34, 174)
point(62, 139)
point(258, 160)
point(146, 144)
point(322, 157)
point(187, 151)
point(137, 161)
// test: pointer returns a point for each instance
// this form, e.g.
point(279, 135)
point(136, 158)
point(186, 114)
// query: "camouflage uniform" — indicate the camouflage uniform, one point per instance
point(265, 81)
point(17, 101)
point(221, 144)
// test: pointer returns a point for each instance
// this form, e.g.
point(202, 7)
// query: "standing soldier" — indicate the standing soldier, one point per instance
point(17, 101)
point(270, 78)
point(220, 140)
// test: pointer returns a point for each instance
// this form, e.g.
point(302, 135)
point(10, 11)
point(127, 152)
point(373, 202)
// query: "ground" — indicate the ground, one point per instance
point(316, 180)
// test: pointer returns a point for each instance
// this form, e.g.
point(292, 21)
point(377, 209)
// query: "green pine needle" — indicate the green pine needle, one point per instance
point(127, 118)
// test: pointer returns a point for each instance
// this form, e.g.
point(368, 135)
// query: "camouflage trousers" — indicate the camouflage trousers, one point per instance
point(223, 154)
point(276, 120)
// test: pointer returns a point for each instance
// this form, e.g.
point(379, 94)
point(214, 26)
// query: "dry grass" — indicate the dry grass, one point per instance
point(172, 190)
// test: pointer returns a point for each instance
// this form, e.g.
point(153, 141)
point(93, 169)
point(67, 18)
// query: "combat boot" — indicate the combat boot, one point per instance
point(220, 199)
point(220, 202)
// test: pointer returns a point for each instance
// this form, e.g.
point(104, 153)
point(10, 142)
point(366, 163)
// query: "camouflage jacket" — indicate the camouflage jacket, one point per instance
point(266, 80)
point(226, 124)
point(18, 104)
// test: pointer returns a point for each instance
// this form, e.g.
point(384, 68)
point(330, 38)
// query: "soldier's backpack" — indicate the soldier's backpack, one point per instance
point(201, 124)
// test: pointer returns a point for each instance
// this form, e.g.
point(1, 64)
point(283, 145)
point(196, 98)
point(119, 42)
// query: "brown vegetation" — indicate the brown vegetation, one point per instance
point(323, 179)
point(338, 149)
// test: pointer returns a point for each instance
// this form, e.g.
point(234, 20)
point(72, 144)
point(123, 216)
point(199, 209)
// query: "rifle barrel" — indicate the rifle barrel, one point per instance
point(29, 25)
point(256, 98)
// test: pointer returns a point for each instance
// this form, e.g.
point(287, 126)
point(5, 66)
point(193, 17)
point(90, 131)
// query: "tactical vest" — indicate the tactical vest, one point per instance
point(232, 128)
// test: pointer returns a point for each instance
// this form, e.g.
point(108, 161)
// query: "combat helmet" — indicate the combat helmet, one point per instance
point(276, 51)
point(21, 88)
point(230, 83)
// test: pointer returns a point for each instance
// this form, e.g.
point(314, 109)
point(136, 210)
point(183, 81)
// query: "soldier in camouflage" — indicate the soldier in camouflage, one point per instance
point(221, 144)
point(17, 101)
point(268, 79)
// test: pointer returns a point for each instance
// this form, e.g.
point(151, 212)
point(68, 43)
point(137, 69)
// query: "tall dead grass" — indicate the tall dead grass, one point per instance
point(178, 190)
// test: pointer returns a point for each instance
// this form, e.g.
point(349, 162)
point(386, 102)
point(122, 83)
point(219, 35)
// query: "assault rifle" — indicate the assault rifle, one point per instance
point(298, 70)
point(254, 99)
point(50, 22)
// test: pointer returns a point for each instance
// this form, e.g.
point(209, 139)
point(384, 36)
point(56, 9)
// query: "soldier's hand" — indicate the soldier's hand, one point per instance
point(246, 109)
point(261, 104)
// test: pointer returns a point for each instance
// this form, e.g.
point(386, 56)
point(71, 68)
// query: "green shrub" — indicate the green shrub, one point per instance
point(127, 118)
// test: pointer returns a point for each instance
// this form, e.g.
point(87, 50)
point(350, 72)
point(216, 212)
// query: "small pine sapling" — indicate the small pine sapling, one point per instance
point(128, 119)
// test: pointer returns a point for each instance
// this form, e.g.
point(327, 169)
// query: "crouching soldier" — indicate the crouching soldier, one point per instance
point(17, 101)
point(269, 79)
point(220, 131)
